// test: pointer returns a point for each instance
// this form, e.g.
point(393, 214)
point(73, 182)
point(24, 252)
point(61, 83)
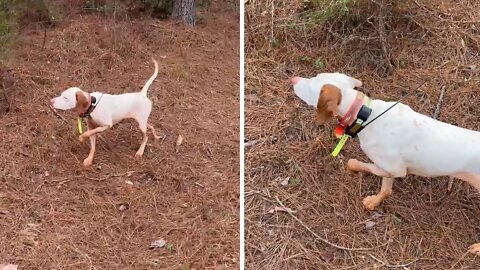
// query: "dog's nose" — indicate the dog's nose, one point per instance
point(52, 101)
point(294, 80)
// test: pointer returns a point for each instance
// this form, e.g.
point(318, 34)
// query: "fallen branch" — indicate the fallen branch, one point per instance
point(323, 239)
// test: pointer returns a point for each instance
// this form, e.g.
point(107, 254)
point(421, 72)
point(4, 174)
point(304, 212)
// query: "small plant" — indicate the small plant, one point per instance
point(319, 64)
point(306, 59)
point(274, 42)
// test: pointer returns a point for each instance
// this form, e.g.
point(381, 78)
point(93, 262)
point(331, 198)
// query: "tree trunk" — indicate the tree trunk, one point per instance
point(185, 10)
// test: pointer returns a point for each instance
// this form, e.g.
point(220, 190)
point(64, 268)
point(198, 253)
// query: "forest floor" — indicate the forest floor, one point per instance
point(424, 224)
point(57, 214)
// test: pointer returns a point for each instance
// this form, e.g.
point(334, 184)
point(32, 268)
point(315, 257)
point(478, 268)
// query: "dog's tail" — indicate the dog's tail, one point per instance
point(150, 81)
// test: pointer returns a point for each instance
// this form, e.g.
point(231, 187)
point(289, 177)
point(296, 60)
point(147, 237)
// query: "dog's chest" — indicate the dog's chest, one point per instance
point(97, 121)
point(91, 123)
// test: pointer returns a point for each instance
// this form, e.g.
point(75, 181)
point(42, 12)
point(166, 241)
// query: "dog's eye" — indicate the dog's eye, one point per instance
point(65, 98)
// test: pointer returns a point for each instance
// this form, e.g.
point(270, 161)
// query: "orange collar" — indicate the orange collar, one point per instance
point(350, 115)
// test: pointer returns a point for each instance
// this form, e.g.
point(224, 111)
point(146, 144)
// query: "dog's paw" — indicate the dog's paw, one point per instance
point(139, 154)
point(88, 161)
point(475, 249)
point(371, 202)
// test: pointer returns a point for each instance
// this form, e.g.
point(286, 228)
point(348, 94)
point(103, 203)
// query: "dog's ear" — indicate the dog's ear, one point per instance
point(327, 105)
point(82, 102)
point(352, 81)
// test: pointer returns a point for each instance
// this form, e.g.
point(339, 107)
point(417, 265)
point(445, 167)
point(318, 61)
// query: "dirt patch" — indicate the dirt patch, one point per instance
point(57, 214)
point(436, 41)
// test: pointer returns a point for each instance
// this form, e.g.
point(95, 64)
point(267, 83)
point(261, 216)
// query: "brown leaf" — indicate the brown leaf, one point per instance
point(158, 244)
point(123, 206)
point(326, 255)
point(178, 143)
point(285, 181)
point(369, 224)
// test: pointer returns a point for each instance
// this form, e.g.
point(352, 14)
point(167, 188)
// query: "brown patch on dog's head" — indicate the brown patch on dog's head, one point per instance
point(82, 102)
point(327, 105)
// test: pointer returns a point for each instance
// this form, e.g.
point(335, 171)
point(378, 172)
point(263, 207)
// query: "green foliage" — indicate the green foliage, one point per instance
point(319, 65)
point(5, 25)
point(15, 14)
point(4, 17)
point(322, 10)
point(203, 3)
point(306, 59)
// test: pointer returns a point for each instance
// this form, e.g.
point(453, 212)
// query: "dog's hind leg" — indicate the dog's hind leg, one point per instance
point(473, 180)
point(141, 149)
point(150, 126)
point(142, 120)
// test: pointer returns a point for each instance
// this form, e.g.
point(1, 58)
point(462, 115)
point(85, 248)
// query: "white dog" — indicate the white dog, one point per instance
point(400, 142)
point(102, 111)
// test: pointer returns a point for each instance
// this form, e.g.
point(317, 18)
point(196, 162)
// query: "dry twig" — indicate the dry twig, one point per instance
point(439, 104)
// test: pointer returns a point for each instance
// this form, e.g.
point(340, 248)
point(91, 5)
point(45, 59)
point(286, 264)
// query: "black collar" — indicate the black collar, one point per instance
point(353, 129)
point(91, 107)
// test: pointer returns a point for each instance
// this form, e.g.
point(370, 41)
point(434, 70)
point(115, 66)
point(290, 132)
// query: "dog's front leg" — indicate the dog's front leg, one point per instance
point(91, 132)
point(89, 160)
point(371, 202)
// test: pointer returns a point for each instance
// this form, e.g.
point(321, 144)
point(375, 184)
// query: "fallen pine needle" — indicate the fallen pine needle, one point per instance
point(323, 239)
point(57, 114)
point(393, 265)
